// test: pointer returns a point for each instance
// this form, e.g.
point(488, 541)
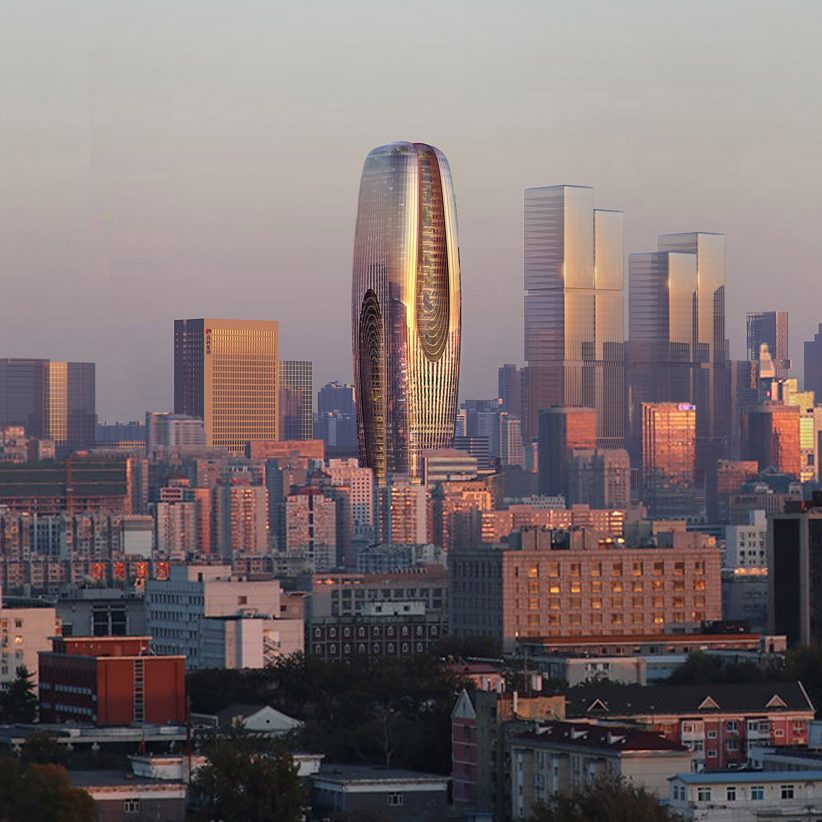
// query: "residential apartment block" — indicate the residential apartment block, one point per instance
point(567, 756)
point(721, 724)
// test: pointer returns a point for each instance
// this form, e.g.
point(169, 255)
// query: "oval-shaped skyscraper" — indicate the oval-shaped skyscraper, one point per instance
point(405, 307)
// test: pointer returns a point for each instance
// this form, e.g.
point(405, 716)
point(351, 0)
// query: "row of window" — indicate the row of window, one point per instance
point(699, 746)
point(705, 793)
point(617, 586)
point(638, 618)
point(390, 630)
point(553, 569)
point(376, 648)
point(386, 593)
point(754, 726)
point(596, 603)
point(4, 623)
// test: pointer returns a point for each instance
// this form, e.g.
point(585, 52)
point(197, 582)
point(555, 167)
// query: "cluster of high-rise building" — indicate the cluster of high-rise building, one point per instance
point(627, 497)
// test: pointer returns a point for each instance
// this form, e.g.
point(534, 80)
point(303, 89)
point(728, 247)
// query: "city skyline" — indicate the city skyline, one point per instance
point(350, 481)
point(176, 165)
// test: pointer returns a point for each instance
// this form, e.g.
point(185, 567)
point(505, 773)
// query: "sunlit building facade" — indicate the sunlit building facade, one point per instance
point(227, 373)
point(677, 348)
point(52, 400)
point(771, 435)
point(562, 430)
point(405, 308)
point(668, 458)
point(574, 325)
point(296, 400)
point(771, 328)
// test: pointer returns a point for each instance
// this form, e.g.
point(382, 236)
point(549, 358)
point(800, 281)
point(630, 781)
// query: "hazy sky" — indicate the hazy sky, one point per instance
point(182, 158)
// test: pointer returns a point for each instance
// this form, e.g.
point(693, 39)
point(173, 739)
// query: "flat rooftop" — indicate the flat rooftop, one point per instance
point(374, 773)
point(112, 779)
point(747, 777)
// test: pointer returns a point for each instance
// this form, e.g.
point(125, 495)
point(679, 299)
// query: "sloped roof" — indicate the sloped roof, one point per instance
point(464, 708)
point(631, 700)
point(589, 735)
point(473, 668)
point(238, 711)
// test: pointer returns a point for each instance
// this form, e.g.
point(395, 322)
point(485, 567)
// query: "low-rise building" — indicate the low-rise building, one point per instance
point(747, 796)
point(790, 757)
point(400, 795)
point(483, 675)
point(656, 645)
point(380, 629)
point(579, 670)
point(81, 737)
point(258, 719)
point(110, 681)
point(129, 798)
point(720, 723)
point(568, 756)
point(482, 727)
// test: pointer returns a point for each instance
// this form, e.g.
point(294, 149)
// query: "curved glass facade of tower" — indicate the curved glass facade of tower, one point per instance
point(405, 307)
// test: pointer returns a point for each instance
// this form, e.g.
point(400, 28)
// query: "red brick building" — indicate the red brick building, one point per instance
point(110, 681)
point(719, 723)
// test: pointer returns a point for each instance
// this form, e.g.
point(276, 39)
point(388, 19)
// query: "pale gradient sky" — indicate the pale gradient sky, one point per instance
point(186, 158)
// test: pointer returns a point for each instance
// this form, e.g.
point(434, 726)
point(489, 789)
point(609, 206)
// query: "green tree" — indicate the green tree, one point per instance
point(42, 748)
point(377, 711)
point(247, 779)
point(41, 792)
point(607, 800)
point(704, 668)
point(18, 699)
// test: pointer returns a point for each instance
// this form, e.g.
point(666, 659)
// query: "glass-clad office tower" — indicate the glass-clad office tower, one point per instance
point(405, 307)
point(52, 400)
point(771, 328)
point(296, 400)
point(677, 350)
point(574, 325)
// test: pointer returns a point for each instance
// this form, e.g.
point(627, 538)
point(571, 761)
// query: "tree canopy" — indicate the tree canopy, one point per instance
point(607, 800)
point(386, 711)
point(42, 748)
point(41, 792)
point(18, 699)
point(247, 779)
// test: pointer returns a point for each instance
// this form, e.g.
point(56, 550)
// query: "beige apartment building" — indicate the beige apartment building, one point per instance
point(549, 588)
point(567, 756)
